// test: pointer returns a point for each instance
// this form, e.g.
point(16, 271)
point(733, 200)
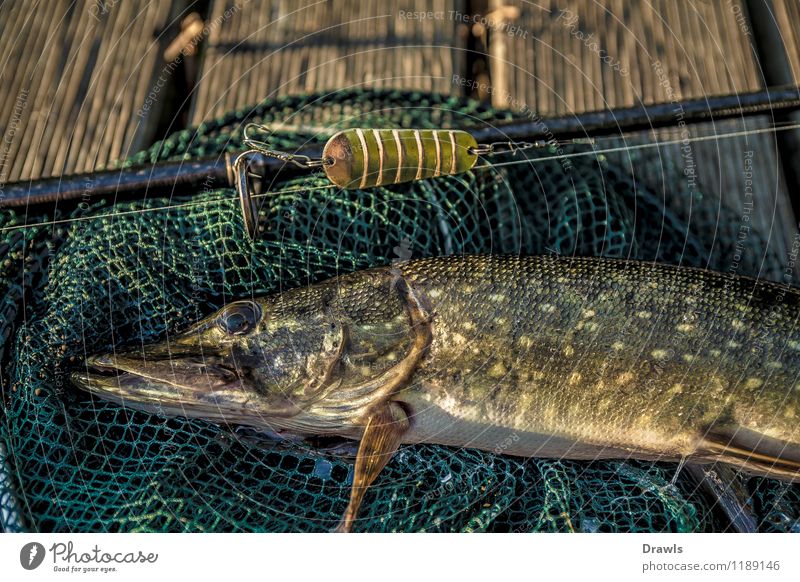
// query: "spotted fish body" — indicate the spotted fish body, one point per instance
point(363, 158)
point(588, 358)
point(577, 358)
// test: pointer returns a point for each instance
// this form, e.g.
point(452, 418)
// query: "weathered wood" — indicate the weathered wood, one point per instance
point(562, 45)
point(787, 15)
point(273, 48)
point(743, 174)
point(72, 77)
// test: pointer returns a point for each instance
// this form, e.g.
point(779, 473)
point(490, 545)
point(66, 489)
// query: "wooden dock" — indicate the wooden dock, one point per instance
point(787, 16)
point(73, 76)
point(273, 48)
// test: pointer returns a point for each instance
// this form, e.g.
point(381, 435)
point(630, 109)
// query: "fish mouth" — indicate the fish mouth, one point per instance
point(186, 384)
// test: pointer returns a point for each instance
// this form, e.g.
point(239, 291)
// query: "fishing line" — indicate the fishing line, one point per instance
point(679, 141)
point(113, 214)
point(773, 128)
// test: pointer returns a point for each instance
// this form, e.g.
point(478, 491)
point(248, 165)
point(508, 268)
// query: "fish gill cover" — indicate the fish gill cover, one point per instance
point(72, 463)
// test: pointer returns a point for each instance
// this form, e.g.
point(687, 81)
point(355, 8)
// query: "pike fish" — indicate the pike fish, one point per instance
point(543, 356)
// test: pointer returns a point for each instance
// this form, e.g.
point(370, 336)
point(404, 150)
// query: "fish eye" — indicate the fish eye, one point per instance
point(239, 318)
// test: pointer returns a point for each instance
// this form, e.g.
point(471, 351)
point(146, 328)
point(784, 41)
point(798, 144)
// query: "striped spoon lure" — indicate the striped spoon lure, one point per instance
point(365, 158)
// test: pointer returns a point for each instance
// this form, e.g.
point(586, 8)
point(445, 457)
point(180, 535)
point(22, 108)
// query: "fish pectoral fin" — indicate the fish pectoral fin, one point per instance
point(753, 452)
point(382, 436)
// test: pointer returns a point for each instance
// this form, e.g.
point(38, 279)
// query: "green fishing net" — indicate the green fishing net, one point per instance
point(119, 277)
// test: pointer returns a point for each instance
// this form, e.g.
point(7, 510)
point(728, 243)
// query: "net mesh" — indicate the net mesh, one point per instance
point(73, 463)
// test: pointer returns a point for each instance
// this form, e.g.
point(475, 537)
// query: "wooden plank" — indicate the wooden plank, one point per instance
point(325, 46)
point(699, 44)
point(787, 15)
point(83, 72)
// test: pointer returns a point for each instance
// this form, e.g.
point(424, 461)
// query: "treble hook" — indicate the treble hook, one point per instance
point(241, 173)
point(262, 148)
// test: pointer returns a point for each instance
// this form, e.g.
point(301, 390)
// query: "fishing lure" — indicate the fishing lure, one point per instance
point(365, 158)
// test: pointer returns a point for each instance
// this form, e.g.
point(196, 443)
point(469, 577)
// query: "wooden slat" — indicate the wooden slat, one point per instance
point(79, 75)
point(699, 44)
point(787, 15)
point(280, 47)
